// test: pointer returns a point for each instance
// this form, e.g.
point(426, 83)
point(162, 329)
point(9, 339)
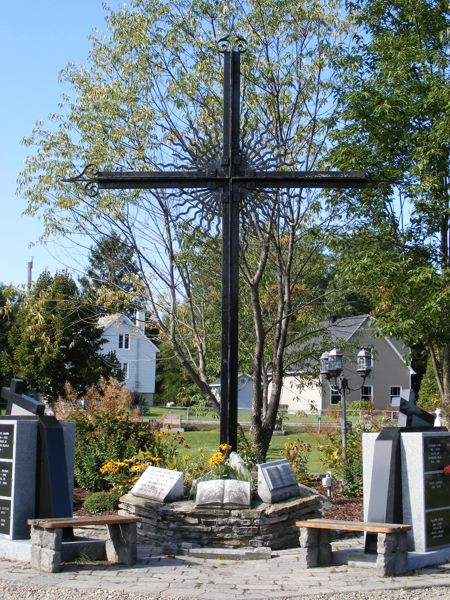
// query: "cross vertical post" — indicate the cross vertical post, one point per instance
point(230, 196)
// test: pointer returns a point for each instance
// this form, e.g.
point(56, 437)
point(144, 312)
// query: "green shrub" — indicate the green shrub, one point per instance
point(362, 405)
point(350, 473)
point(429, 397)
point(352, 482)
point(297, 453)
point(107, 430)
point(102, 501)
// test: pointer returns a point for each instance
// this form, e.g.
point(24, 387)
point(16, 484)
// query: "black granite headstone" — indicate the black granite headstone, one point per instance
point(53, 497)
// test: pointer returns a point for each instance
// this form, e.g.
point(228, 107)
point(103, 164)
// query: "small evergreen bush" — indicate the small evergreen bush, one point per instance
point(102, 501)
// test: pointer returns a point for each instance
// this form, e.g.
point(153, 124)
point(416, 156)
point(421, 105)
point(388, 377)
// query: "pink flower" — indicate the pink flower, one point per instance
point(447, 470)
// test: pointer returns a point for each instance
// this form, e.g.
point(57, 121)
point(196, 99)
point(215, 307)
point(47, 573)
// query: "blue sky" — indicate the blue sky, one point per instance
point(37, 39)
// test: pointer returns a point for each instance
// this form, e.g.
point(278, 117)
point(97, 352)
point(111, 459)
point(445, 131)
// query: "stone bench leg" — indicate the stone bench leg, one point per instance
point(46, 549)
point(392, 554)
point(315, 547)
point(121, 544)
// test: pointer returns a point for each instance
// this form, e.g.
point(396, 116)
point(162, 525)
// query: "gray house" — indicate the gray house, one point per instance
point(391, 372)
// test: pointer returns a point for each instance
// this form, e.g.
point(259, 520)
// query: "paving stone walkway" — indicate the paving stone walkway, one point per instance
point(184, 577)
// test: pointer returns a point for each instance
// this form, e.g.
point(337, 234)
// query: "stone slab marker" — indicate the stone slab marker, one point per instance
point(163, 485)
point(276, 482)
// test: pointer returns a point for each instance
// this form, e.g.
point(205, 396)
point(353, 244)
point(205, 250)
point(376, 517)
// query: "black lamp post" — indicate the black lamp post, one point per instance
point(331, 367)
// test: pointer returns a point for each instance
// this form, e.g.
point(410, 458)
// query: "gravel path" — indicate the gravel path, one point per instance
point(13, 592)
point(159, 576)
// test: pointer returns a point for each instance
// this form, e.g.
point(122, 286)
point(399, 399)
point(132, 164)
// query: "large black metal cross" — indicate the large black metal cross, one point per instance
point(231, 180)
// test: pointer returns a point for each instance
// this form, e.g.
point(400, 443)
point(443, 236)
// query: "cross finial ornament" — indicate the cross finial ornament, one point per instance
point(231, 181)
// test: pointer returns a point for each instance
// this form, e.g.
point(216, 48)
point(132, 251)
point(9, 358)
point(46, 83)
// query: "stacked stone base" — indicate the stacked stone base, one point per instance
point(47, 546)
point(181, 525)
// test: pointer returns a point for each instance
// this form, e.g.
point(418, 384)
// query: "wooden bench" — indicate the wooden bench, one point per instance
point(46, 539)
point(392, 547)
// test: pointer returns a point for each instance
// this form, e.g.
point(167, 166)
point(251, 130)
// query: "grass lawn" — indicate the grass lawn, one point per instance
point(209, 440)
point(155, 412)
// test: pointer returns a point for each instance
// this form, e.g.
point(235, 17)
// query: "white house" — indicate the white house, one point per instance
point(135, 352)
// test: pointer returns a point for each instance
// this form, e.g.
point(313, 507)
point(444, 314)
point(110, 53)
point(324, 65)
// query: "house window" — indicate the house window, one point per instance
point(335, 395)
point(124, 367)
point(395, 391)
point(124, 341)
point(367, 393)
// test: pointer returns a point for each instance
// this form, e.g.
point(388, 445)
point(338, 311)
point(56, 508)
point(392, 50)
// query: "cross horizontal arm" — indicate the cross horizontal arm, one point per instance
point(144, 180)
point(303, 179)
point(202, 179)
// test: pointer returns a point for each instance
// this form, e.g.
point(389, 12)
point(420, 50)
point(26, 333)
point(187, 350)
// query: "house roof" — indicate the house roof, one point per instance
point(242, 378)
point(119, 319)
point(344, 328)
point(108, 320)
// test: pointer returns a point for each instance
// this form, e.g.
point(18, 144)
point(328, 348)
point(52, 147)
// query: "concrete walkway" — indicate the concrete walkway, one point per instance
point(186, 577)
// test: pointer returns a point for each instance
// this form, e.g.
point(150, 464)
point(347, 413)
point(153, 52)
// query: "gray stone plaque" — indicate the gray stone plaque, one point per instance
point(436, 452)
point(438, 528)
point(437, 491)
point(5, 516)
point(276, 481)
point(223, 493)
point(158, 484)
point(6, 441)
point(425, 489)
point(6, 470)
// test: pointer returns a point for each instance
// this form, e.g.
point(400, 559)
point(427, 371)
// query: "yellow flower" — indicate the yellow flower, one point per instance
point(216, 458)
point(186, 457)
point(225, 447)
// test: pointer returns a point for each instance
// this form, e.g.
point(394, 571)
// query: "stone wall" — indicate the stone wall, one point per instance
point(180, 524)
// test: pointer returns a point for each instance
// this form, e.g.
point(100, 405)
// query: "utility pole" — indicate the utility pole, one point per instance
point(29, 275)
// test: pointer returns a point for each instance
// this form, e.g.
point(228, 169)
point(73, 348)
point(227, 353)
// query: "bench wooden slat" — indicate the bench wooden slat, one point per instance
point(370, 527)
point(83, 521)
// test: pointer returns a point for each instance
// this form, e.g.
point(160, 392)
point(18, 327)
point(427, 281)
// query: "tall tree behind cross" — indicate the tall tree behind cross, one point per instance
point(231, 178)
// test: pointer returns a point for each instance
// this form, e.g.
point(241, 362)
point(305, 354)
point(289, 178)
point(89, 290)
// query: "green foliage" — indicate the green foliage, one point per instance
point(55, 339)
point(429, 397)
point(351, 484)
point(362, 405)
point(110, 279)
point(394, 98)
point(350, 472)
point(297, 453)
point(102, 502)
point(170, 377)
point(106, 430)
point(10, 301)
